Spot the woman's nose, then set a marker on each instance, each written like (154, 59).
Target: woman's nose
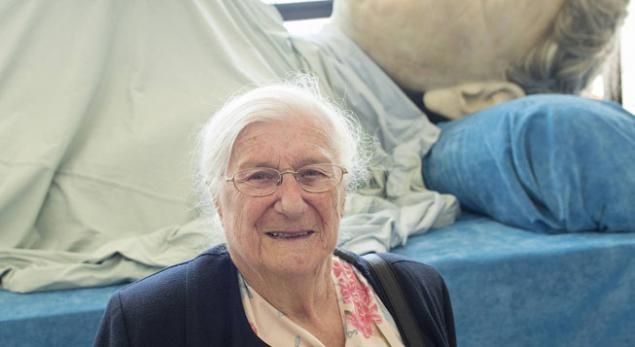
(290, 197)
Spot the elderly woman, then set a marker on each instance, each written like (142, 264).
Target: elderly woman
(276, 162)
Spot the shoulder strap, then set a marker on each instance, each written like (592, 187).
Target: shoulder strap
(404, 317)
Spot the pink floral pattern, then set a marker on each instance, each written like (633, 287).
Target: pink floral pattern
(366, 321)
(365, 312)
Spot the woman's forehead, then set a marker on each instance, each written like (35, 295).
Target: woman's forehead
(301, 139)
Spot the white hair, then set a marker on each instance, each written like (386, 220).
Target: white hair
(274, 102)
(567, 59)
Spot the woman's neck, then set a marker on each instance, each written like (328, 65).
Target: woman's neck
(309, 300)
(301, 296)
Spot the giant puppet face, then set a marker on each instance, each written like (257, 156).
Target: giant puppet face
(429, 44)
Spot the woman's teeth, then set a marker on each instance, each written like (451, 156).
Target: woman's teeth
(289, 235)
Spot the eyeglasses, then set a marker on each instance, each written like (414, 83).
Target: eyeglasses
(263, 181)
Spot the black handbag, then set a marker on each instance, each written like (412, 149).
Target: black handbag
(403, 315)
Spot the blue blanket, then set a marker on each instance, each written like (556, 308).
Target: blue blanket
(512, 287)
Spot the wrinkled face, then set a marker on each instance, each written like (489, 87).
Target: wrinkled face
(428, 44)
(291, 231)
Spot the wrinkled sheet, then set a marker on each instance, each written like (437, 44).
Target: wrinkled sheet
(100, 104)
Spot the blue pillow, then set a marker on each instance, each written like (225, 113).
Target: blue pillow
(549, 163)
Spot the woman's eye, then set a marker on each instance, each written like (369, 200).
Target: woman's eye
(260, 176)
(313, 173)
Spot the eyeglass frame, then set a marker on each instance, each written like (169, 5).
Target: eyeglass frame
(281, 178)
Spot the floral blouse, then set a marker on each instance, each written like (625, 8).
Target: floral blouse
(366, 320)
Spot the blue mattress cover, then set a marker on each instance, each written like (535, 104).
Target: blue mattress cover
(512, 287)
(508, 286)
(55, 318)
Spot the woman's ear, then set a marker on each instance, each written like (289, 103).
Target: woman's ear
(341, 204)
(218, 207)
(460, 100)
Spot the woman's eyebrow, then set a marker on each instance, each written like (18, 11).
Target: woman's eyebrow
(314, 160)
(255, 163)
(301, 163)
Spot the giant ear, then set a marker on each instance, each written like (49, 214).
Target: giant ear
(460, 100)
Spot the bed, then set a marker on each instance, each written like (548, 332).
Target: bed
(96, 187)
(509, 287)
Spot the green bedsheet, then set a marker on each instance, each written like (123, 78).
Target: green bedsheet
(100, 104)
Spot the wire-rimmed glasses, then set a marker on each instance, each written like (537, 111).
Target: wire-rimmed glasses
(263, 181)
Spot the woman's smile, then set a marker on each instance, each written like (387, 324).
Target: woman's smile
(290, 235)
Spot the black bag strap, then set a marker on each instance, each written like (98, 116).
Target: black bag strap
(394, 292)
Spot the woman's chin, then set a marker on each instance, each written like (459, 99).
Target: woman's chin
(298, 262)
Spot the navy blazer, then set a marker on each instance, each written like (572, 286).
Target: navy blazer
(198, 303)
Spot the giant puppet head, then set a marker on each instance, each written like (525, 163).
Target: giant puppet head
(468, 55)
